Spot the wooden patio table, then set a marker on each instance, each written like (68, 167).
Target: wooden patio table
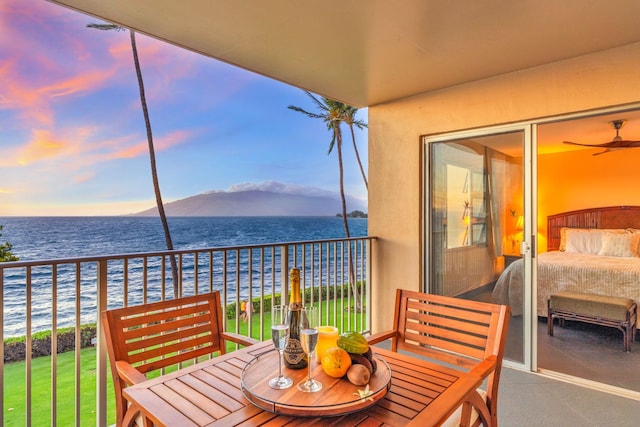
(210, 394)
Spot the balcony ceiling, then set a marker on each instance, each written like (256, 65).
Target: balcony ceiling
(369, 52)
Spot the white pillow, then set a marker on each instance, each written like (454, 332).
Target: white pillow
(563, 239)
(619, 245)
(587, 240)
(582, 241)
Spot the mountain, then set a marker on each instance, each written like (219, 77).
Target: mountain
(256, 203)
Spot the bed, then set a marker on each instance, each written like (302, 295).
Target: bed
(590, 250)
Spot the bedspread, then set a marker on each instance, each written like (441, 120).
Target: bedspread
(577, 272)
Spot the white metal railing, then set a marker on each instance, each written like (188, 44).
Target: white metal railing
(51, 294)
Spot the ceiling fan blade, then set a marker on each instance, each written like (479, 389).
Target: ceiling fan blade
(616, 143)
(621, 145)
(606, 144)
(628, 143)
(602, 152)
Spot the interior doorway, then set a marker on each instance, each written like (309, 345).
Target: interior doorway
(573, 177)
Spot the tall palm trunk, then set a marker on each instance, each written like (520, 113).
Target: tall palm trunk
(355, 148)
(345, 220)
(333, 113)
(154, 172)
(342, 195)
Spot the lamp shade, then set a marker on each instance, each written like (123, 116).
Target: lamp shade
(520, 223)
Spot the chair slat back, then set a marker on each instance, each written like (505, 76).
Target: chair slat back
(460, 332)
(455, 331)
(161, 334)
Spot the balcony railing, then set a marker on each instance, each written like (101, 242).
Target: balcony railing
(53, 294)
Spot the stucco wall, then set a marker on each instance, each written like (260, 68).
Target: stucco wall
(606, 79)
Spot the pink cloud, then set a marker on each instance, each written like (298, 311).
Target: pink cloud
(159, 144)
(33, 103)
(85, 82)
(85, 177)
(43, 145)
(162, 64)
(38, 67)
(77, 147)
(50, 60)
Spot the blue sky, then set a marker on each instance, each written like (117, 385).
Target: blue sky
(72, 136)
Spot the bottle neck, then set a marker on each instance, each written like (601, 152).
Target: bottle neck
(295, 298)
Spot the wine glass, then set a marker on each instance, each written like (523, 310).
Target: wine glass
(280, 337)
(309, 340)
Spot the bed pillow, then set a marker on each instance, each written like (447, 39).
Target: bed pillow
(563, 235)
(585, 240)
(582, 241)
(619, 245)
(635, 231)
(563, 239)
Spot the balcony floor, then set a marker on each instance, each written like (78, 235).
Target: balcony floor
(526, 399)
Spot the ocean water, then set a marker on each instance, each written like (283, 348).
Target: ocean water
(35, 238)
(45, 238)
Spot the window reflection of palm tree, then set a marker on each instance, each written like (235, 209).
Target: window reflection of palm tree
(467, 221)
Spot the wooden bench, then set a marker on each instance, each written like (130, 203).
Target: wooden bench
(616, 312)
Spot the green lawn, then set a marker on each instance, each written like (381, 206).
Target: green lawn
(15, 391)
(15, 377)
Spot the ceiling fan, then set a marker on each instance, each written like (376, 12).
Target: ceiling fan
(616, 143)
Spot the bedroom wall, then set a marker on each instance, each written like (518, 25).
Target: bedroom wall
(579, 180)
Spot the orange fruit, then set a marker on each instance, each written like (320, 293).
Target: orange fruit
(336, 362)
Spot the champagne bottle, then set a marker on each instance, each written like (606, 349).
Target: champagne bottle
(294, 356)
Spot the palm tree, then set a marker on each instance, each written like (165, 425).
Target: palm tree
(348, 116)
(331, 113)
(5, 251)
(152, 155)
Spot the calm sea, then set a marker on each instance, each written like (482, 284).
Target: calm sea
(38, 238)
(35, 238)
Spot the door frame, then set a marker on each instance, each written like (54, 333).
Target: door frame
(530, 189)
(530, 230)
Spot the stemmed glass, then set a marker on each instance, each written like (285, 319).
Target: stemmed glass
(309, 340)
(280, 337)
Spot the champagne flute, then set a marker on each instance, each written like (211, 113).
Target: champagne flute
(309, 340)
(280, 337)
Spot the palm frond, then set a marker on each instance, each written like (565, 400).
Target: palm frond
(305, 112)
(359, 124)
(106, 27)
(332, 143)
(316, 101)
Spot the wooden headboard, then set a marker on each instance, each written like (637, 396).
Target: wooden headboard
(609, 217)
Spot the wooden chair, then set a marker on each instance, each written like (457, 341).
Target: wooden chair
(468, 335)
(151, 337)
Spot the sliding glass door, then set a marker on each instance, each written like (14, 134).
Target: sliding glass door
(474, 223)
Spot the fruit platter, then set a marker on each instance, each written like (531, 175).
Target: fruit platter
(353, 378)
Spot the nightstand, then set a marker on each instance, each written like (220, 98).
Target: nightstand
(508, 259)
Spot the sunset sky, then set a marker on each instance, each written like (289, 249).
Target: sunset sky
(72, 135)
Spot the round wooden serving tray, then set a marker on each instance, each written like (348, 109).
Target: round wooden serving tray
(337, 397)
